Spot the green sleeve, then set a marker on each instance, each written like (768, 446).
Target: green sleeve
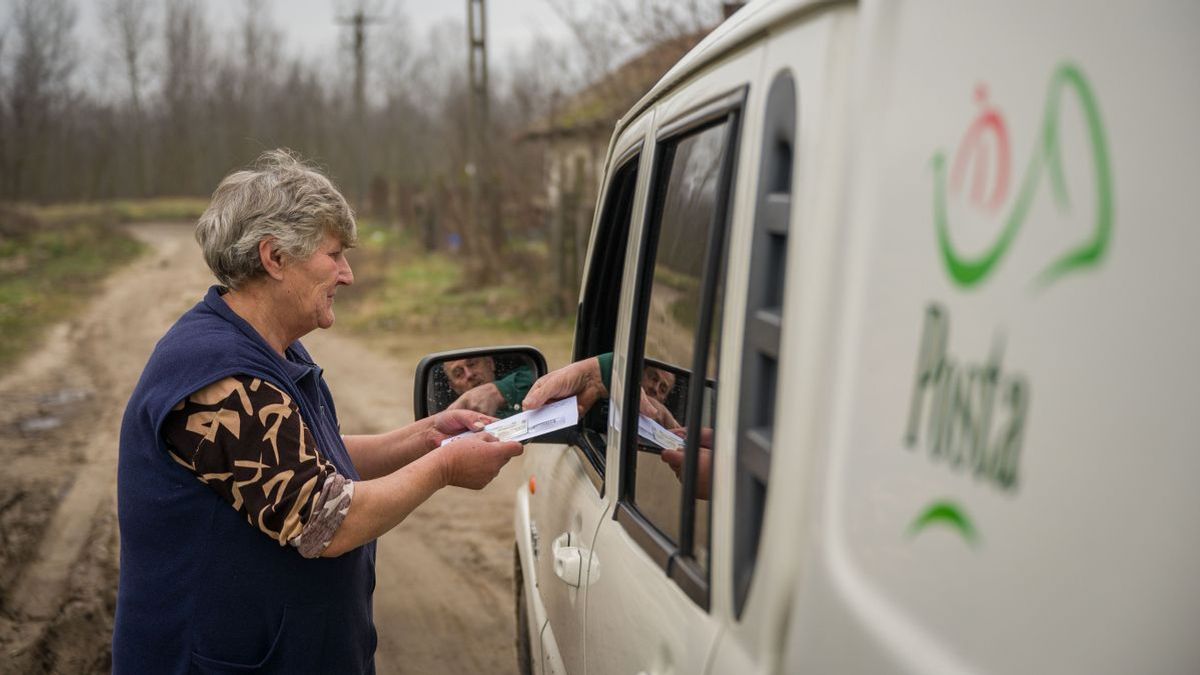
(515, 385)
(605, 360)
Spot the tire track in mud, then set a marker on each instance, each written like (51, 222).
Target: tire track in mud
(60, 588)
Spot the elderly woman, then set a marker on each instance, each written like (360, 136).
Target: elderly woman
(247, 520)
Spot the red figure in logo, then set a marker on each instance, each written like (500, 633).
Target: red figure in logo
(973, 155)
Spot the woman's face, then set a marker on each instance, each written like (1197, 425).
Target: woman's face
(312, 283)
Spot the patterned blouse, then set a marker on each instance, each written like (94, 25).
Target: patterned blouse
(245, 439)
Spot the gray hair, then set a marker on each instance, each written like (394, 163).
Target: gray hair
(281, 198)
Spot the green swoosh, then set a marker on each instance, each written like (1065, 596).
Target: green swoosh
(1091, 252)
(946, 513)
(967, 272)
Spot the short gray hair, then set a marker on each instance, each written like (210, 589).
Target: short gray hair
(281, 198)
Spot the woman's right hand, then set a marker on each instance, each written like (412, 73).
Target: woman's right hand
(472, 462)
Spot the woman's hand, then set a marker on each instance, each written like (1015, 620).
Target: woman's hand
(453, 422)
(473, 462)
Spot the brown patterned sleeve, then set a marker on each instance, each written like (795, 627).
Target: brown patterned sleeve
(245, 438)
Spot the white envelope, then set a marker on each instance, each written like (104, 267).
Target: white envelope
(526, 425)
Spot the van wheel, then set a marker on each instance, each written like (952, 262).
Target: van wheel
(524, 663)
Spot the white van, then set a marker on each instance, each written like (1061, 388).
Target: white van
(921, 278)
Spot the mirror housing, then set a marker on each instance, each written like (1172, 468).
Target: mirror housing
(516, 367)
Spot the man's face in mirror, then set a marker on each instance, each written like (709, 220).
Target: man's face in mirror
(466, 374)
(657, 383)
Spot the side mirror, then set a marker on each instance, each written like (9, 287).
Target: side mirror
(491, 380)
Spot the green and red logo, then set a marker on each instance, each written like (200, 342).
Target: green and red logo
(971, 416)
(984, 155)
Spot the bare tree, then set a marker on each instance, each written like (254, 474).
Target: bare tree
(187, 112)
(610, 32)
(184, 86)
(6, 126)
(261, 48)
(130, 26)
(37, 87)
(648, 22)
(538, 79)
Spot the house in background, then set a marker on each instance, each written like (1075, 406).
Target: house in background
(575, 138)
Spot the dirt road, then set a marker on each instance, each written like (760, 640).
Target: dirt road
(443, 602)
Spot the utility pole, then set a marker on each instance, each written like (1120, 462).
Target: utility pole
(478, 167)
(359, 22)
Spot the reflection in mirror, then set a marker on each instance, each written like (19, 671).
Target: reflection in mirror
(665, 386)
(493, 382)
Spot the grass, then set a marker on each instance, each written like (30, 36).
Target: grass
(400, 288)
(52, 259)
(123, 210)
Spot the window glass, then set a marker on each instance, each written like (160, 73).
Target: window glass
(597, 319)
(685, 218)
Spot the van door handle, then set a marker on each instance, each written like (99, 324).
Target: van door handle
(569, 561)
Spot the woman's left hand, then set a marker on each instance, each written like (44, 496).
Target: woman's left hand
(453, 422)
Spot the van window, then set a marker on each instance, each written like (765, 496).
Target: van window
(596, 322)
(666, 463)
(671, 328)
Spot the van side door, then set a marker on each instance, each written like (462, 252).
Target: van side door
(566, 500)
(648, 599)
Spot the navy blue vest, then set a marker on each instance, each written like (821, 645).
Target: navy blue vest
(201, 590)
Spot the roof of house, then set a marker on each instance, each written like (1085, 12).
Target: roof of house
(742, 28)
(595, 109)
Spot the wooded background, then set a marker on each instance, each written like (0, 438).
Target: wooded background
(166, 105)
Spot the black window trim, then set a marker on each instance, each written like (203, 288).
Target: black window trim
(682, 569)
(592, 453)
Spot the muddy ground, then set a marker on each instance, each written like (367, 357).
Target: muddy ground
(443, 603)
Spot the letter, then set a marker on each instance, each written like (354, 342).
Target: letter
(941, 413)
(1008, 450)
(959, 429)
(989, 377)
(929, 366)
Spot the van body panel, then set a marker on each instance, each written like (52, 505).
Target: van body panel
(565, 509)
(535, 609)
(1016, 336)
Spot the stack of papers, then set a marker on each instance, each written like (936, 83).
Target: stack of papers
(533, 423)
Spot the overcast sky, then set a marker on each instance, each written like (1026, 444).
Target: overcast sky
(311, 30)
